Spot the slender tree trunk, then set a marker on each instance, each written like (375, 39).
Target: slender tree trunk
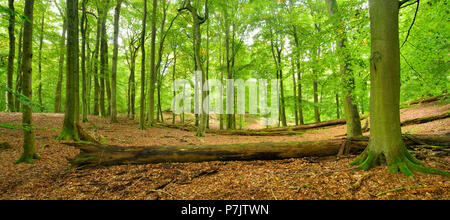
(153, 79)
(62, 52)
(299, 77)
(41, 42)
(114, 63)
(338, 113)
(83, 26)
(350, 107)
(18, 89)
(104, 76)
(230, 87)
(89, 71)
(173, 80)
(283, 107)
(294, 85)
(142, 101)
(107, 79)
(132, 86)
(315, 87)
(97, 77)
(69, 130)
(207, 72)
(11, 55)
(28, 154)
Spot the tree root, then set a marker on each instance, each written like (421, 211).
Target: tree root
(405, 163)
(27, 159)
(68, 135)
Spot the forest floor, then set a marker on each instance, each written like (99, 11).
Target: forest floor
(293, 179)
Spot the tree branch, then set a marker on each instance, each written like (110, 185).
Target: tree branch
(412, 24)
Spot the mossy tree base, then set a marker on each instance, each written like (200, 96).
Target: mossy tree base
(68, 135)
(27, 158)
(404, 162)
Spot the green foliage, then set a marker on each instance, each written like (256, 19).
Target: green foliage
(424, 56)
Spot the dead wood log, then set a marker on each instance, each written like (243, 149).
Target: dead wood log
(428, 100)
(426, 119)
(102, 155)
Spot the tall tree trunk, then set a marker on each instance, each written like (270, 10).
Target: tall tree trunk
(197, 21)
(107, 78)
(142, 101)
(69, 129)
(153, 76)
(350, 107)
(386, 143)
(18, 88)
(338, 112)
(11, 55)
(299, 76)
(104, 76)
(41, 42)
(88, 71)
(294, 85)
(315, 87)
(28, 154)
(207, 71)
(114, 63)
(283, 106)
(173, 80)
(62, 52)
(83, 26)
(132, 85)
(97, 77)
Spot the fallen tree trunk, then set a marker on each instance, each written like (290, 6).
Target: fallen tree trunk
(426, 119)
(427, 100)
(101, 155)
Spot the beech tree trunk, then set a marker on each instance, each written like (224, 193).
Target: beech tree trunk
(100, 155)
(28, 154)
(114, 63)
(153, 76)
(386, 144)
(19, 72)
(11, 55)
(41, 43)
(83, 26)
(350, 107)
(69, 131)
(62, 53)
(142, 101)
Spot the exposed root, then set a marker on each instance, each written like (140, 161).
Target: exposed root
(27, 159)
(405, 163)
(68, 135)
